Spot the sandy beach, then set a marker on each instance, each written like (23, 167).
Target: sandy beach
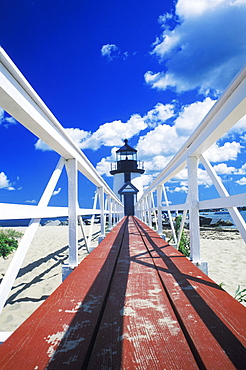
(40, 273)
(225, 252)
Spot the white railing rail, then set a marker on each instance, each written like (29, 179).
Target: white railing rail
(228, 110)
(19, 99)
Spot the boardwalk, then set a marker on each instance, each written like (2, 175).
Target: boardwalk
(133, 303)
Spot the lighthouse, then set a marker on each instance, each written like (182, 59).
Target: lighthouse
(127, 172)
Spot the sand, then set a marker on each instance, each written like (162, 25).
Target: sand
(225, 252)
(40, 273)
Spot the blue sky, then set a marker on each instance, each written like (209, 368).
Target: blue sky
(148, 71)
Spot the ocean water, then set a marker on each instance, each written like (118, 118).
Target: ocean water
(25, 222)
(216, 216)
(213, 215)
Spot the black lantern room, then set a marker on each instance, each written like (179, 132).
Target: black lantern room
(126, 162)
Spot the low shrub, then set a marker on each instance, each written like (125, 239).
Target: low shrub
(240, 295)
(184, 245)
(8, 242)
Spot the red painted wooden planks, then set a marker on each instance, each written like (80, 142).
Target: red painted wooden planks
(139, 329)
(133, 303)
(214, 321)
(63, 327)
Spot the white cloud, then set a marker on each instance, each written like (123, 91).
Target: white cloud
(238, 128)
(204, 50)
(110, 51)
(226, 152)
(10, 121)
(241, 171)
(79, 136)
(223, 169)
(55, 192)
(4, 182)
(182, 175)
(202, 177)
(162, 81)
(159, 145)
(191, 116)
(163, 140)
(1, 115)
(146, 179)
(40, 145)
(188, 8)
(104, 166)
(167, 138)
(243, 138)
(180, 189)
(108, 134)
(112, 133)
(10, 188)
(242, 181)
(159, 114)
(5, 120)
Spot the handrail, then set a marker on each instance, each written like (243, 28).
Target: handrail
(228, 110)
(19, 99)
(32, 113)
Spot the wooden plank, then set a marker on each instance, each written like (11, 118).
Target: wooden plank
(134, 302)
(59, 333)
(213, 321)
(139, 329)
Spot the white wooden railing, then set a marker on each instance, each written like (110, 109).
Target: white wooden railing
(228, 110)
(19, 99)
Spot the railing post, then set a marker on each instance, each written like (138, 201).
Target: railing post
(101, 199)
(26, 240)
(146, 210)
(154, 210)
(122, 211)
(170, 217)
(118, 212)
(235, 214)
(193, 209)
(113, 213)
(135, 210)
(159, 206)
(72, 172)
(109, 212)
(92, 221)
(142, 210)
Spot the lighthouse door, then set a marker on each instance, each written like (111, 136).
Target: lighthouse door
(128, 191)
(129, 204)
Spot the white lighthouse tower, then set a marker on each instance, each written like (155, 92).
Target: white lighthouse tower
(127, 172)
